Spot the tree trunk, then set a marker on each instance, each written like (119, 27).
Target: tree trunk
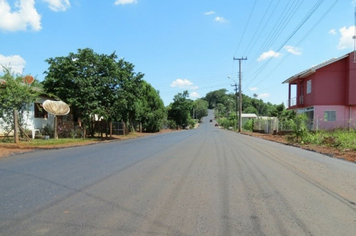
(55, 128)
(110, 129)
(16, 127)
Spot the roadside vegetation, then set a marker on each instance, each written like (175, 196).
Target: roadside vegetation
(97, 86)
(295, 126)
(341, 139)
(100, 85)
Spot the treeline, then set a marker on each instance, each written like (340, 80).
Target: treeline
(100, 85)
(225, 103)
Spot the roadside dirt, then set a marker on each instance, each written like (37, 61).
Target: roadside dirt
(349, 155)
(10, 149)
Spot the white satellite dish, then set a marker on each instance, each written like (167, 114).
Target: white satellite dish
(57, 108)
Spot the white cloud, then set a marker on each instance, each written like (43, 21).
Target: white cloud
(346, 40)
(220, 19)
(15, 62)
(194, 95)
(58, 5)
(183, 83)
(210, 13)
(264, 95)
(269, 54)
(253, 89)
(123, 2)
(293, 50)
(332, 31)
(23, 17)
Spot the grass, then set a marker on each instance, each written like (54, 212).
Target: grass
(40, 143)
(63, 142)
(342, 139)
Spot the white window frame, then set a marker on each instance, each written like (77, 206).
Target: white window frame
(309, 86)
(329, 116)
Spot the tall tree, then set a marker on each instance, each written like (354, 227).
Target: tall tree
(130, 91)
(215, 97)
(101, 85)
(180, 109)
(89, 82)
(14, 95)
(152, 110)
(200, 108)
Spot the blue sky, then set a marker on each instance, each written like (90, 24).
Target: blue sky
(183, 45)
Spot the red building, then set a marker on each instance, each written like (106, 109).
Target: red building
(326, 93)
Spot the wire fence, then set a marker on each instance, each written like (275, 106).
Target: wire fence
(273, 125)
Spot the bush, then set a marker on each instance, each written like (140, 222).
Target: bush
(300, 130)
(226, 123)
(248, 126)
(191, 123)
(287, 125)
(172, 124)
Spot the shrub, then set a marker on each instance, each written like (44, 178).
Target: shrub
(248, 126)
(300, 130)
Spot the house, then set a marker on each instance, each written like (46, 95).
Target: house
(36, 119)
(326, 93)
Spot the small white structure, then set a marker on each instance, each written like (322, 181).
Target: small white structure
(247, 116)
(36, 119)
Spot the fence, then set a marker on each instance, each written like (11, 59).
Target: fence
(273, 125)
(265, 125)
(118, 128)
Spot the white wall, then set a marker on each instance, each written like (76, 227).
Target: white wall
(32, 123)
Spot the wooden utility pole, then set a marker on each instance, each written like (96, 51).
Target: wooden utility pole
(236, 106)
(16, 127)
(240, 91)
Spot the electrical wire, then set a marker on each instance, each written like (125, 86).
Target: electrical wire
(309, 14)
(248, 21)
(302, 39)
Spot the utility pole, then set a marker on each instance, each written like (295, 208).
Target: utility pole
(235, 85)
(240, 95)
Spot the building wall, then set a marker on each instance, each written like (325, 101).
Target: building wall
(309, 97)
(32, 123)
(329, 84)
(344, 119)
(351, 86)
(40, 123)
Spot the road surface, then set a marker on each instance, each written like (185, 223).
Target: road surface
(206, 181)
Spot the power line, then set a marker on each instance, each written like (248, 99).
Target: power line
(263, 28)
(248, 21)
(309, 14)
(284, 19)
(305, 36)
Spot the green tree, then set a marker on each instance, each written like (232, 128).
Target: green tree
(200, 108)
(152, 110)
(215, 97)
(220, 110)
(95, 84)
(14, 95)
(179, 110)
(130, 92)
(77, 80)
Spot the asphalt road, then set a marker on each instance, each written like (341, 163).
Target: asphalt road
(198, 182)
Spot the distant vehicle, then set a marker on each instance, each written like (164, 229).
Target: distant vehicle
(216, 125)
(211, 120)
